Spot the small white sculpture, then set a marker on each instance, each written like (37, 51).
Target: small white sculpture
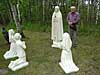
(21, 61)
(57, 26)
(11, 53)
(67, 63)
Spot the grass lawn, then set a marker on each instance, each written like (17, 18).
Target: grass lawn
(43, 60)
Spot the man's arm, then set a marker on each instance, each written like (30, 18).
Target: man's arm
(69, 22)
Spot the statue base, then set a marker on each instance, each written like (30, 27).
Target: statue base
(55, 44)
(17, 67)
(69, 69)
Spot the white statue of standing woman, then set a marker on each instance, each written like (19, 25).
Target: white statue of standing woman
(67, 63)
(21, 61)
(11, 53)
(57, 26)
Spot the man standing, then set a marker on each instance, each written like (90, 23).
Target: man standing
(73, 18)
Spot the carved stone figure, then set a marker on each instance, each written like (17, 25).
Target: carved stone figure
(21, 61)
(57, 26)
(67, 63)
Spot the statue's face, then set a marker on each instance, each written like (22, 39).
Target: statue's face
(17, 36)
(56, 9)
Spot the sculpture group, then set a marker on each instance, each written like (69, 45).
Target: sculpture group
(16, 50)
(62, 40)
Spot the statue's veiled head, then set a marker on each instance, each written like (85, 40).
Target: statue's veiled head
(17, 36)
(67, 41)
(57, 8)
(66, 35)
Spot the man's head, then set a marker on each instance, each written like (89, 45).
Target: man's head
(73, 9)
(57, 8)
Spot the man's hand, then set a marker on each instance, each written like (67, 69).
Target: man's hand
(70, 23)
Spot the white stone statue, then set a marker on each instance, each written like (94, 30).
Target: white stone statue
(21, 61)
(57, 26)
(67, 63)
(11, 53)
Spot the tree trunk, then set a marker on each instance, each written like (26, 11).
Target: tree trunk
(16, 17)
(97, 14)
(30, 10)
(14, 12)
(43, 11)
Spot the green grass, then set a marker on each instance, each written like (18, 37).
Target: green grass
(43, 60)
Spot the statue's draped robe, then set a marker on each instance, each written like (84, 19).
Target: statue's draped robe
(20, 48)
(12, 52)
(57, 26)
(21, 61)
(67, 63)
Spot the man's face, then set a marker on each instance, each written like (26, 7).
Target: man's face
(73, 9)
